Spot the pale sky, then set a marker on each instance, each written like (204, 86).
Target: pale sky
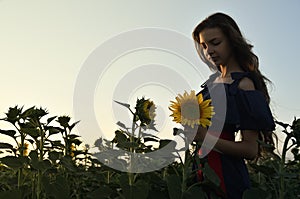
(44, 45)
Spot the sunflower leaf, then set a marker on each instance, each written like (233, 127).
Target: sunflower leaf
(120, 124)
(123, 104)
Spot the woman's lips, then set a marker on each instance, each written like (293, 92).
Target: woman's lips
(214, 58)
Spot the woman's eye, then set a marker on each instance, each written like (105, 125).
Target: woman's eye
(216, 43)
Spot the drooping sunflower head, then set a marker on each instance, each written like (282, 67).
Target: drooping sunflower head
(191, 109)
(145, 110)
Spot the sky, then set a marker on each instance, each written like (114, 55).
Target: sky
(47, 47)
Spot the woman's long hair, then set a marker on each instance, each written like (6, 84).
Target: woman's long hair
(242, 51)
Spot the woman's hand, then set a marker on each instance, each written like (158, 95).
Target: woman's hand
(195, 134)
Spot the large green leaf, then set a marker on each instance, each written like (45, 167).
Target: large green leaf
(14, 162)
(67, 162)
(174, 186)
(139, 190)
(41, 165)
(211, 175)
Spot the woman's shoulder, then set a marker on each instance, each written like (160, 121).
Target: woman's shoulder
(244, 80)
(246, 84)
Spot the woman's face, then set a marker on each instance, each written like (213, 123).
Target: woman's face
(216, 46)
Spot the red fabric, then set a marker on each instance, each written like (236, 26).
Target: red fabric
(214, 160)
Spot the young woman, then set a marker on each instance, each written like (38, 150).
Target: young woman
(222, 47)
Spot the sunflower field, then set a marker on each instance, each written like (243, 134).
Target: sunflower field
(45, 158)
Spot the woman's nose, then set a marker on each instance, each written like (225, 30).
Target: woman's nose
(210, 50)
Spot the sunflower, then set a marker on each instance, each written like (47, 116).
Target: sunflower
(25, 148)
(72, 149)
(191, 109)
(145, 110)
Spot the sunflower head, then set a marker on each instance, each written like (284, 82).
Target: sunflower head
(191, 109)
(25, 148)
(72, 149)
(145, 111)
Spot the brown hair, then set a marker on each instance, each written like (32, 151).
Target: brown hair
(242, 50)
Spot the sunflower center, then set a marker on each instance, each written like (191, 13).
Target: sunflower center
(190, 110)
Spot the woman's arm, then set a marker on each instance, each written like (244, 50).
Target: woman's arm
(246, 148)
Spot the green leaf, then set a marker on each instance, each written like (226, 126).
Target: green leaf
(150, 139)
(33, 132)
(141, 189)
(284, 125)
(211, 175)
(73, 125)
(28, 112)
(5, 146)
(33, 155)
(265, 145)
(120, 137)
(72, 136)
(174, 186)
(165, 142)
(53, 130)
(67, 162)
(123, 104)
(269, 171)
(120, 124)
(14, 162)
(76, 142)
(41, 165)
(127, 144)
(57, 144)
(10, 133)
(51, 119)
